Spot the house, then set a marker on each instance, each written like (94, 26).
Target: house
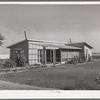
(96, 55)
(43, 52)
(4, 57)
(86, 49)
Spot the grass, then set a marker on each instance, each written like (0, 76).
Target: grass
(65, 77)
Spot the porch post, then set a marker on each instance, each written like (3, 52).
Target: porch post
(60, 56)
(44, 56)
(54, 57)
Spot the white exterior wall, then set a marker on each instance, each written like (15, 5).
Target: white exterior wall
(89, 51)
(33, 53)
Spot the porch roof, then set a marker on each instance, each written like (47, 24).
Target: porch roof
(52, 46)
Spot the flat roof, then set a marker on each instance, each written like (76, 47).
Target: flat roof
(47, 44)
(39, 41)
(83, 43)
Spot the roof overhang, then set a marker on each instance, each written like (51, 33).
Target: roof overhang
(16, 43)
(48, 45)
(82, 43)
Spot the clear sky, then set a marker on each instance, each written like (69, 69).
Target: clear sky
(81, 23)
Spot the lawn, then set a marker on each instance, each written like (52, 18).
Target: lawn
(66, 77)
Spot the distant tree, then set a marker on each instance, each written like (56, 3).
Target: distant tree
(1, 39)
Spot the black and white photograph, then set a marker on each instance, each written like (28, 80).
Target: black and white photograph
(49, 47)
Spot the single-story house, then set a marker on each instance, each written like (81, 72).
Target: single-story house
(4, 57)
(44, 52)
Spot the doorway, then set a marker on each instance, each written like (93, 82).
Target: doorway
(49, 56)
(58, 56)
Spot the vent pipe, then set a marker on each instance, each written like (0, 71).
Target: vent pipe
(70, 40)
(25, 35)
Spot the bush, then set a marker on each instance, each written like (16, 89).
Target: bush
(53, 66)
(74, 60)
(9, 64)
(1, 65)
(43, 65)
(70, 61)
(37, 65)
(21, 61)
(81, 61)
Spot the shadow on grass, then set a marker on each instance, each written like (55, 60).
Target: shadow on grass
(80, 87)
(72, 88)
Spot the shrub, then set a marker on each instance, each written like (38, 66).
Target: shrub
(43, 65)
(74, 60)
(90, 59)
(70, 61)
(6, 70)
(21, 61)
(14, 70)
(37, 65)
(53, 66)
(1, 65)
(9, 64)
(82, 59)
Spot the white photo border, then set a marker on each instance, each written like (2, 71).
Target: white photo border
(50, 94)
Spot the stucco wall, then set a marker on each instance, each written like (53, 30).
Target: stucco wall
(87, 50)
(35, 53)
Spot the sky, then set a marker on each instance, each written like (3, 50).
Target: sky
(59, 23)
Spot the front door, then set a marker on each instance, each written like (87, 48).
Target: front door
(49, 56)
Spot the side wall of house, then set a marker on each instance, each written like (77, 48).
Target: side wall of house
(23, 46)
(87, 52)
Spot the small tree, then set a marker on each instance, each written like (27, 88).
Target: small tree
(21, 59)
(1, 39)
